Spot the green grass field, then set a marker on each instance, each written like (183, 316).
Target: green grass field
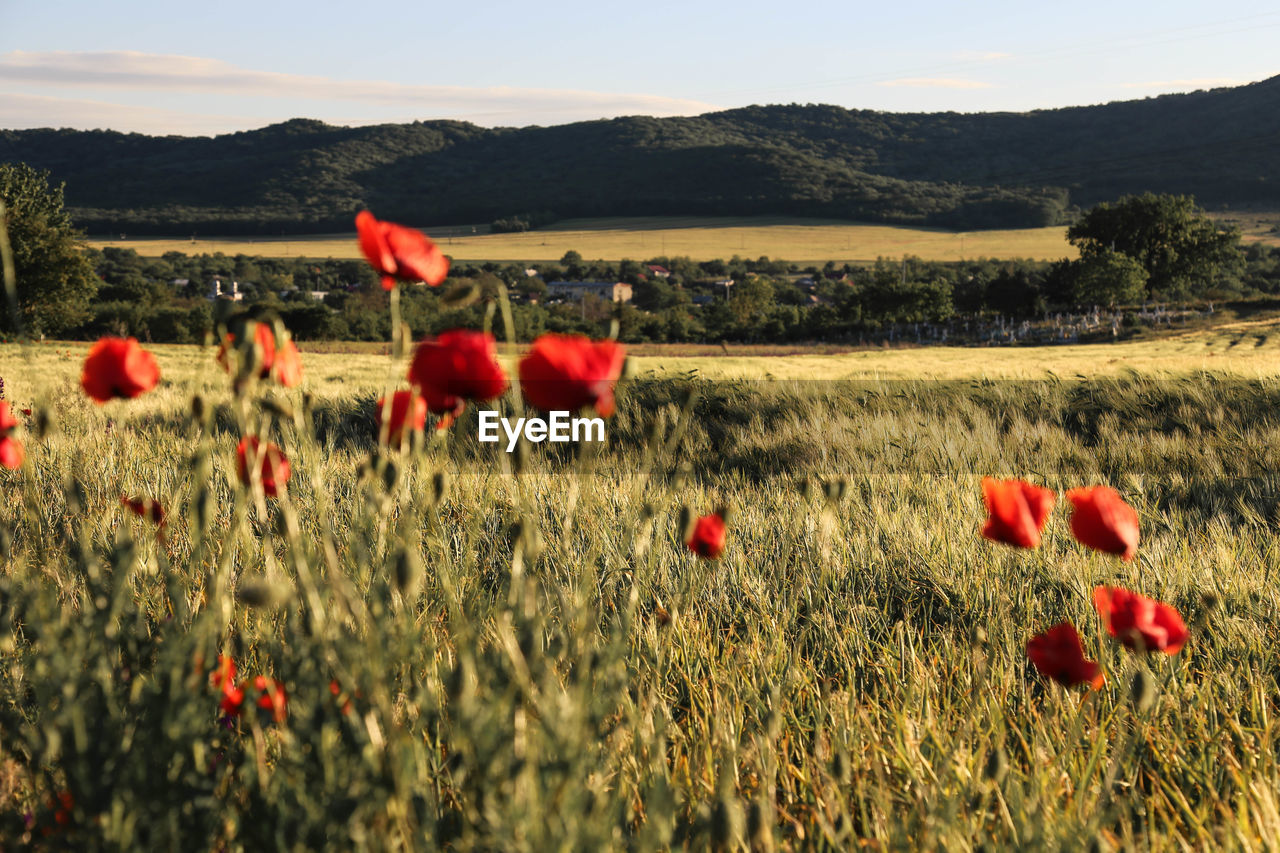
(483, 651)
(700, 238)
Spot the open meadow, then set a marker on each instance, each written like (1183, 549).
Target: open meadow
(700, 238)
(467, 649)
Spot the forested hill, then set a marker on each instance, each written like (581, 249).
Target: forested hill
(964, 170)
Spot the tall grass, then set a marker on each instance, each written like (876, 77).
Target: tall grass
(526, 657)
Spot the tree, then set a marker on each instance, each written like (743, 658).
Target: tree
(1106, 278)
(1181, 249)
(55, 280)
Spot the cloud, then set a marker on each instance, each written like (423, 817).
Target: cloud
(982, 55)
(128, 72)
(19, 111)
(936, 83)
(1192, 83)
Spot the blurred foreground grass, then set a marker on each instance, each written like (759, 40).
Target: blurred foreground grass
(533, 661)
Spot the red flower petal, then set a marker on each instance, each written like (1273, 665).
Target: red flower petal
(273, 465)
(1058, 654)
(1102, 520)
(456, 366)
(571, 372)
(272, 697)
(707, 539)
(118, 367)
(1018, 511)
(373, 243)
(268, 358)
(11, 453)
(397, 252)
(400, 419)
(8, 422)
(1138, 622)
(145, 508)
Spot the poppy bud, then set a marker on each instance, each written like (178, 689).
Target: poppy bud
(997, 765)
(461, 295)
(759, 830)
(261, 594)
(1143, 690)
(408, 570)
(686, 523)
(726, 823)
(528, 537)
(390, 474)
(204, 507)
(76, 497)
(280, 410)
(520, 458)
(835, 489)
(439, 486)
(840, 767)
(44, 422)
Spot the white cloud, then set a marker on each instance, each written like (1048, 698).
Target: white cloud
(28, 111)
(982, 55)
(130, 72)
(936, 83)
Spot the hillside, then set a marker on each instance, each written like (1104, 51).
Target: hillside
(980, 170)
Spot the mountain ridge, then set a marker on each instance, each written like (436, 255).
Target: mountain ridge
(966, 170)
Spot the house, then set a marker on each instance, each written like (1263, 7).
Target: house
(233, 294)
(180, 282)
(575, 290)
(658, 271)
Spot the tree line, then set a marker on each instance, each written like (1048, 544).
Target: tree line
(1137, 249)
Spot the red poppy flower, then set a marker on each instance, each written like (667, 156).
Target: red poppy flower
(145, 508)
(1102, 520)
(272, 697)
(1057, 653)
(1018, 511)
(402, 421)
(272, 464)
(267, 358)
(570, 372)
(707, 539)
(224, 677)
(11, 453)
(401, 253)
(288, 365)
(118, 367)
(1139, 622)
(457, 366)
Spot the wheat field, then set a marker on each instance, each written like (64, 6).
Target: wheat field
(485, 651)
(702, 238)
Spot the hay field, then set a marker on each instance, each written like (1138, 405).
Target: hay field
(805, 240)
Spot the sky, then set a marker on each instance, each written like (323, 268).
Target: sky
(217, 67)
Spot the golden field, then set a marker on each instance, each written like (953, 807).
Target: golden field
(1246, 349)
(700, 238)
